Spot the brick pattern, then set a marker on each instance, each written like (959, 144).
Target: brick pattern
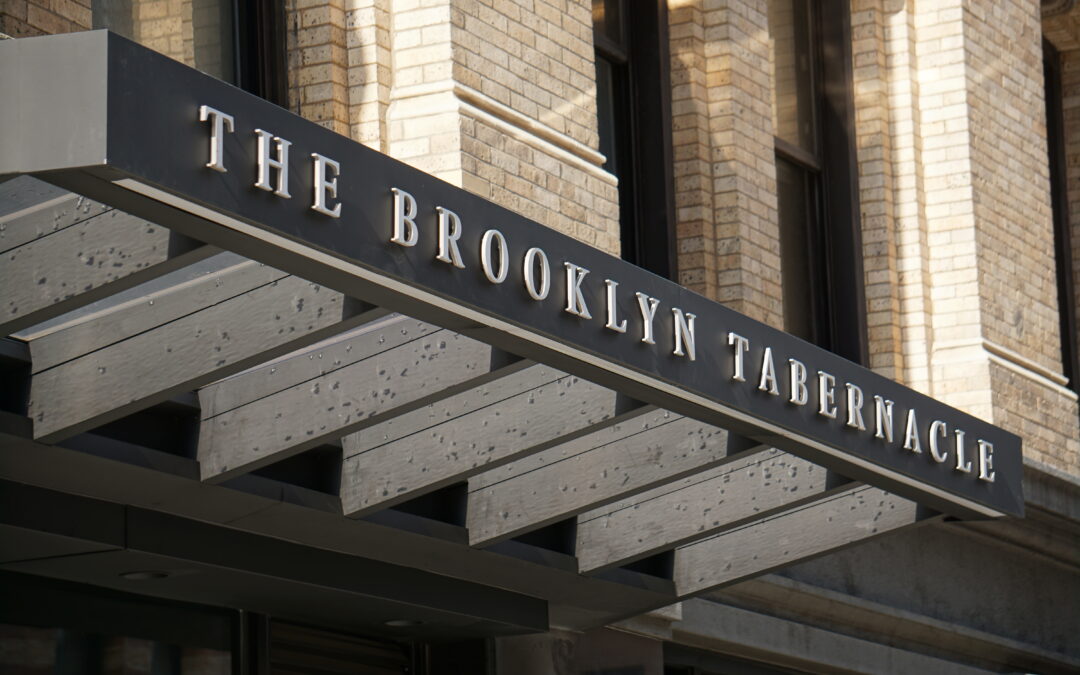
(524, 75)
(424, 123)
(728, 237)
(877, 199)
(370, 71)
(535, 57)
(1010, 177)
(1063, 29)
(27, 18)
(909, 202)
(165, 26)
(318, 62)
(739, 79)
(692, 150)
(499, 100)
(1046, 420)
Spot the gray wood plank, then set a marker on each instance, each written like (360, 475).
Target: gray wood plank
(341, 401)
(333, 353)
(599, 468)
(517, 415)
(719, 499)
(184, 354)
(40, 209)
(449, 409)
(853, 516)
(84, 334)
(64, 270)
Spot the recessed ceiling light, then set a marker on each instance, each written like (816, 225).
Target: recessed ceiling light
(144, 575)
(403, 623)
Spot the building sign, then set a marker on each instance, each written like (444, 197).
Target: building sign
(167, 143)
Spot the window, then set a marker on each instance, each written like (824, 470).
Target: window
(633, 98)
(239, 41)
(813, 113)
(1059, 200)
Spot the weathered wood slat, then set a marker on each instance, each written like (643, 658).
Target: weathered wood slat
(183, 354)
(33, 209)
(719, 499)
(333, 353)
(83, 334)
(469, 433)
(105, 253)
(586, 473)
(393, 381)
(855, 515)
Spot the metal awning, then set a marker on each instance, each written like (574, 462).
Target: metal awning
(404, 388)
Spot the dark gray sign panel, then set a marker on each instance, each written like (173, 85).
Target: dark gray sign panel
(110, 119)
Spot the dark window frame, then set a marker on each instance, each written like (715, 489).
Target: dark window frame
(640, 64)
(1059, 201)
(260, 44)
(837, 281)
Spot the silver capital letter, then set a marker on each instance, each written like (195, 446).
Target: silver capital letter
(449, 233)
(854, 407)
(962, 463)
(324, 186)
(405, 231)
(485, 256)
(826, 387)
(648, 306)
(986, 461)
(938, 429)
(613, 322)
(741, 345)
(684, 333)
(797, 378)
(533, 255)
(767, 381)
(883, 418)
(911, 433)
(218, 121)
(575, 300)
(281, 164)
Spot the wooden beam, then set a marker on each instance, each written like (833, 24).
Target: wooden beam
(99, 325)
(722, 498)
(189, 345)
(398, 374)
(31, 209)
(853, 516)
(471, 432)
(67, 251)
(596, 469)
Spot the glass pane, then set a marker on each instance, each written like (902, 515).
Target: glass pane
(196, 32)
(607, 19)
(794, 92)
(605, 112)
(795, 213)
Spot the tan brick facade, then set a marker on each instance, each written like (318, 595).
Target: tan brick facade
(728, 241)
(25, 18)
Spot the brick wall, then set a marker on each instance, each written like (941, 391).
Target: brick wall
(25, 18)
(318, 62)
(728, 236)
(877, 151)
